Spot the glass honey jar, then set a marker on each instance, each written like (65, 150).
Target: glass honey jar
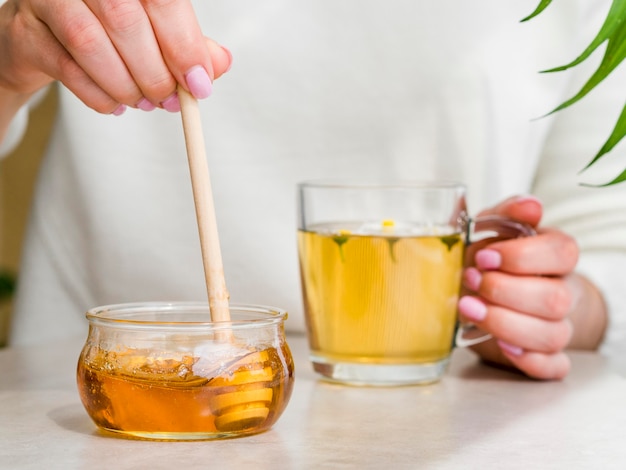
(166, 371)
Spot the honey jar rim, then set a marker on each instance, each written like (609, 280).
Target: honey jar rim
(183, 314)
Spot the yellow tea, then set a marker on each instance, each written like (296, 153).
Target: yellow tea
(137, 393)
(382, 295)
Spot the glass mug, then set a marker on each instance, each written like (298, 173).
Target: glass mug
(160, 370)
(381, 267)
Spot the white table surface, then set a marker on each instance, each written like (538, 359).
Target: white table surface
(476, 417)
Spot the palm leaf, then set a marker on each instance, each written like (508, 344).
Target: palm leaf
(542, 6)
(615, 53)
(613, 31)
(619, 179)
(618, 134)
(614, 20)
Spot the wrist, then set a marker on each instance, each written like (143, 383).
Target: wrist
(589, 314)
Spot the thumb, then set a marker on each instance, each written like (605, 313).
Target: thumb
(523, 208)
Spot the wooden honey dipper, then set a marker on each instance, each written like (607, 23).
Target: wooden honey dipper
(249, 397)
(205, 208)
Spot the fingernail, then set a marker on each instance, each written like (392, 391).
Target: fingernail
(199, 82)
(527, 198)
(121, 109)
(472, 278)
(472, 308)
(171, 103)
(509, 348)
(145, 105)
(230, 58)
(488, 259)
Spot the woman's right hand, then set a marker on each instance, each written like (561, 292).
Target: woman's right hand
(109, 53)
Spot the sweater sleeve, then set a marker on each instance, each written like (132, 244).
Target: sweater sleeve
(15, 132)
(16, 129)
(19, 124)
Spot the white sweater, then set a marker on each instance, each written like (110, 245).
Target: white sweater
(353, 88)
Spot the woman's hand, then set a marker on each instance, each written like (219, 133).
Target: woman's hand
(109, 53)
(525, 293)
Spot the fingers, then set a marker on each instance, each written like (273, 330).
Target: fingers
(523, 295)
(533, 345)
(111, 53)
(550, 253)
(549, 298)
(534, 364)
(132, 55)
(87, 43)
(221, 58)
(538, 365)
(524, 208)
(182, 44)
(33, 57)
(528, 332)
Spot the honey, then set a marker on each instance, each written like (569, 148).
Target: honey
(139, 393)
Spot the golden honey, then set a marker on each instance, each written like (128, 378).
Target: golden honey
(185, 387)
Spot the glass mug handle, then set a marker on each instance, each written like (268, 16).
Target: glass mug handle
(491, 227)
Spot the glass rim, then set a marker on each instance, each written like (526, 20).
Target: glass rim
(330, 183)
(129, 315)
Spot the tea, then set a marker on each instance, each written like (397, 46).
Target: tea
(380, 293)
(141, 394)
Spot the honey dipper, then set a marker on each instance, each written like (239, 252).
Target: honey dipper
(247, 401)
(205, 209)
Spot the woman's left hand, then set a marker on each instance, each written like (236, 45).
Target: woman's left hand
(524, 292)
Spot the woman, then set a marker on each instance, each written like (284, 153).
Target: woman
(444, 90)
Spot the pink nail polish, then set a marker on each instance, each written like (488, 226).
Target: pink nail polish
(472, 278)
(171, 103)
(509, 348)
(472, 308)
(488, 259)
(199, 82)
(121, 109)
(145, 105)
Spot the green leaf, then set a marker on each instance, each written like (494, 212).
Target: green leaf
(450, 240)
(615, 53)
(618, 134)
(619, 179)
(613, 31)
(392, 241)
(613, 22)
(340, 240)
(542, 6)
